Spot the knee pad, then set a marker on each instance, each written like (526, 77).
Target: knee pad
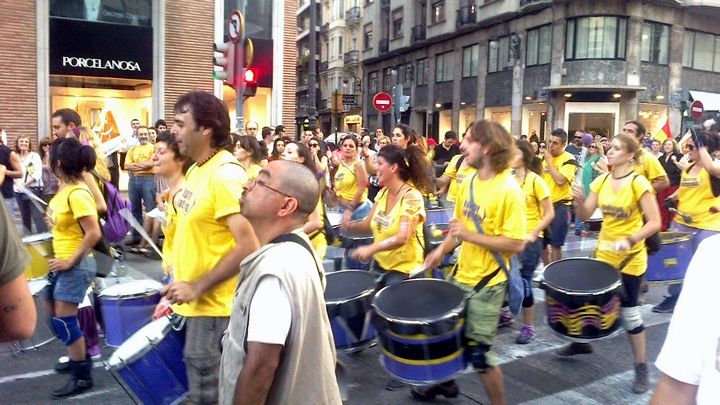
(476, 354)
(528, 301)
(632, 320)
(66, 329)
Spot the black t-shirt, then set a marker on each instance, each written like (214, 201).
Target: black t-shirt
(673, 172)
(443, 155)
(7, 186)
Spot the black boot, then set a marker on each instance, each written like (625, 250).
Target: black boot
(80, 381)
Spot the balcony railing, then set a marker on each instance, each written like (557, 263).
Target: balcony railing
(352, 15)
(384, 45)
(417, 33)
(324, 66)
(351, 57)
(466, 15)
(324, 29)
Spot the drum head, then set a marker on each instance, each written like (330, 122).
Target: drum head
(351, 235)
(581, 275)
(140, 343)
(347, 284)
(37, 285)
(131, 289)
(37, 238)
(422, 299)
(674, 237)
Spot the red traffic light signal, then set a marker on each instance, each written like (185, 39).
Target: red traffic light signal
(250, 76)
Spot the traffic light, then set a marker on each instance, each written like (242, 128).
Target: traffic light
(226, 63)
(401, 102)
(249, 79)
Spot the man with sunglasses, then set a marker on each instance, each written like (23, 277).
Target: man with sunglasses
(290, 360)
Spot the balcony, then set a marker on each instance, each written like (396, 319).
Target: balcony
(384, 45)
(352, 15)
(323, 66)
(466, 15)
(324, 30)
(417, 33)
(351, 57)
(384, 3)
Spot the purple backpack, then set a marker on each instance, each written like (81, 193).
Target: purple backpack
(115, 227)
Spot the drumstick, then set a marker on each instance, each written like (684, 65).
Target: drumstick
(125, 213)
(686, 218)
(418, 271)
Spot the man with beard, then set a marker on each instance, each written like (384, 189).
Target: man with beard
(490, 149)
(141, 187)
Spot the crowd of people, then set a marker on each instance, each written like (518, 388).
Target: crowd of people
(245, 229)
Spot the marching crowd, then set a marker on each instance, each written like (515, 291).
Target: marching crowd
(245, 229)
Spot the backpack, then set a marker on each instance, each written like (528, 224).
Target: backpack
(114, 226)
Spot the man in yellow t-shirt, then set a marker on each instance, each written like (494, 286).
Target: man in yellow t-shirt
(452, 179)
(558, 170)
(141, 187)
(648, 165)
(211, 237)
(489, 148)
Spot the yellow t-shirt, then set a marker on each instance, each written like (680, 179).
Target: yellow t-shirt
(318, 238)
(346, 183)
(141, 154)
(169, 231)
(70, 204)
(202, 237)
(253, 171)
(502, 212)
(535, 190)
(622, 217)
(695, 198)
(649, 166)
(386, 224)
(567, 166)
(457, 176)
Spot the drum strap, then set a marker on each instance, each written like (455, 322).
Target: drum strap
(293, 237)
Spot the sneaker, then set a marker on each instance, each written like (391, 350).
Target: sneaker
(667, 306)
(575, 348)
(642, 383)
(447, 389)
(527, 333)
(394, 384)
(539, 275)
(578, 231)
(94, 352)
(506, 318)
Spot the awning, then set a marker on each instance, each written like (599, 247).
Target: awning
(711, 101)
(594, 87)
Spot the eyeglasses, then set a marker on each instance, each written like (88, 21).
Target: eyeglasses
(252, 183)
(542, 145)
(314, 145)
(592, 147)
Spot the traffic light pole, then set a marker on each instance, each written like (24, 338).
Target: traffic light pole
(240, 89)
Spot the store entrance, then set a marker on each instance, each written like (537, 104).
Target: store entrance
(596, 118)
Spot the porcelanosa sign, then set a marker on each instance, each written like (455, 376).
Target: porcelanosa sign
(81, 48)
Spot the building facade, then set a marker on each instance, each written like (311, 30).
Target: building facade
(306, 112)
(535, 65)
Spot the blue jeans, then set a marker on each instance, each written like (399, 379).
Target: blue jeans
(529, 258)
(697, 236)
(28, 212)
(141, 188)
(559, 225)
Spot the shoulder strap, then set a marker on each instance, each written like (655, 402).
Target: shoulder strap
(459, 162)
(295, 238)
(70, 193)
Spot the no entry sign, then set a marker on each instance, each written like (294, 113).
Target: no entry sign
(382, 101)
(696, 109)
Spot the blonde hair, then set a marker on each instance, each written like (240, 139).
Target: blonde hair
(630, 144)
(86, 135)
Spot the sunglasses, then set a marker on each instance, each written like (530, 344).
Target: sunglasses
(542, 145)
(592, 147)
(314, 145)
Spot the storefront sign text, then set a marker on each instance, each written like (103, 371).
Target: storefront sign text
(91, 63)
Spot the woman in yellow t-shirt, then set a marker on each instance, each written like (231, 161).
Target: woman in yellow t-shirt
(315, 225)
(397, 217)
(698, 196)
(75, 230)
(171, 165)
(624, 197)
(351, 182)
(539, 213)
(250, 155)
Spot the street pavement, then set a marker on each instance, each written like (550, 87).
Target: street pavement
(534, 374)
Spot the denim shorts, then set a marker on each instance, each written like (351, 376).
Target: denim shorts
(72, 285)
(559, 225)
(529, 258)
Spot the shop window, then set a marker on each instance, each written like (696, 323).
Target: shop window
(499, 55)
(538, 43)
(367, 35)
(397, 20)
(595, 38)
(471, 56)
(138, 12)
(438, 12)
(701, 51)
(444, 67)
(655, 43)
(422, 72)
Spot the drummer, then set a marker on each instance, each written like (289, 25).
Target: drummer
(490, 149)
(75, 230)
(452, 178)
(624, 197)
(698, 194)
(351, 181)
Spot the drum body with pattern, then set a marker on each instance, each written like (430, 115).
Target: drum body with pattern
(420, 324)
(351, 241)
(669, 264)
(40, 248)
(128, 307)
(582, 299)
(348, 297)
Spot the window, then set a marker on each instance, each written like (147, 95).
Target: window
(701, 51)
(339, 7)
(367, 35)
(340, 48)
(438, 12)
(499, 55)
(397, 23)
(372, 82)
(537, 46)
(387, 79)
(422, 72)
(595, 38)
(443, 67)
(471, 59)
(405, 74)
(655, 41)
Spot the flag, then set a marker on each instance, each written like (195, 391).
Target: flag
(664, 132)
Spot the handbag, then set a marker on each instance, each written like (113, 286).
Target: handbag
(517, 288)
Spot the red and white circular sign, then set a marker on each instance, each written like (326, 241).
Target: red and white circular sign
(697, 109)
(382, 101)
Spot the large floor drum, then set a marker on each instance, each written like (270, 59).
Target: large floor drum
(421, 324)
(582, 298)
(348, 297)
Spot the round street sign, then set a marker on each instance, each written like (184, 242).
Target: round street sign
(696, 109)
(382, 101)
(236, 25)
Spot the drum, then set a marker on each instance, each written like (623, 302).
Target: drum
(669, 264)
(40, 248)
(594, 223)
(151, 365)
(436, 234)
(437, 216)
(348, 297)
(128, 307)
(43, 331)
(351, 241)
(582, 299)
(420, 323)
